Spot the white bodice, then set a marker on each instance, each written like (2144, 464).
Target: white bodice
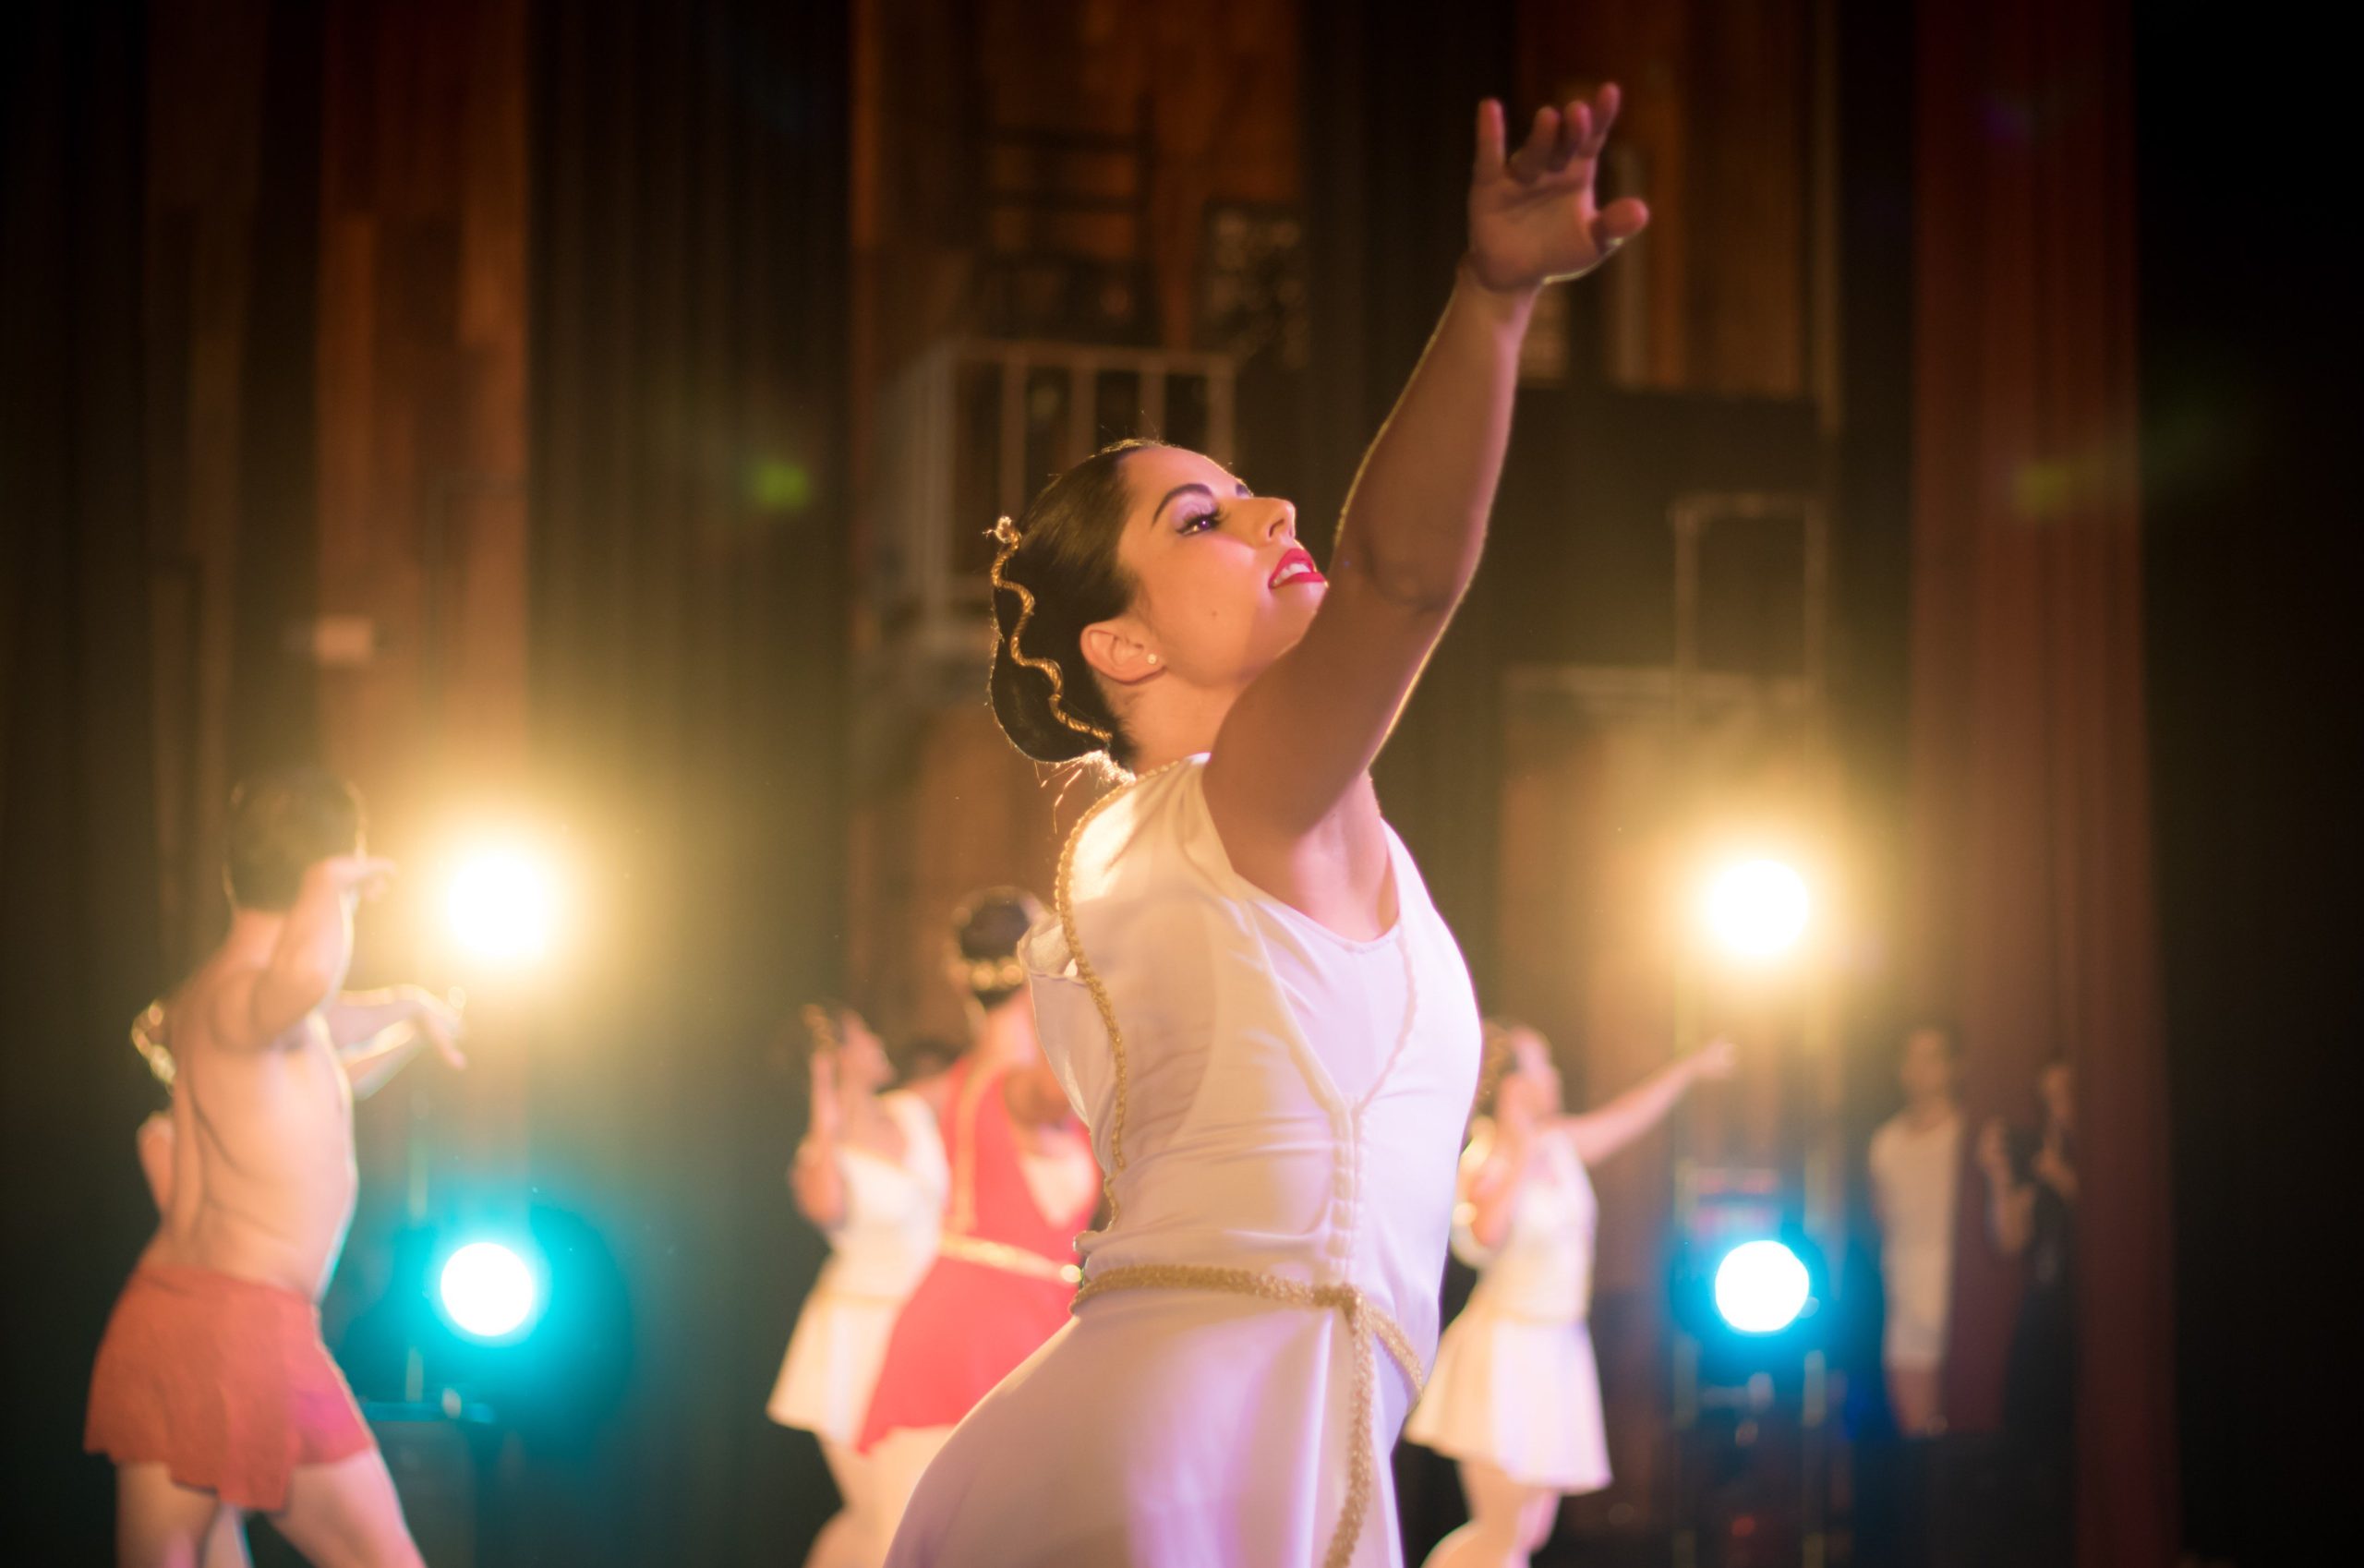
(1542, 1272)
(894, 1209)
(1915, 1174)
(1318, 1147)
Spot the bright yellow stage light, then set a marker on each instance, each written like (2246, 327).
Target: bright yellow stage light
(504, 904)
(1757, 909)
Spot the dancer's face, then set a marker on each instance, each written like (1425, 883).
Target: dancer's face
(1927, 1072)
(2057, 1089)
(1222, 587)
(861, 1059)
(1532, 1087)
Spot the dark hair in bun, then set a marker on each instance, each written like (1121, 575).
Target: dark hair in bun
(986, 931)
(1065, 557)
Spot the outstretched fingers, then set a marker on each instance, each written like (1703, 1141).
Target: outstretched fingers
(1559, 136)
(1576, 131)
(1605, 105)
(1533, 157)
(1491, 138)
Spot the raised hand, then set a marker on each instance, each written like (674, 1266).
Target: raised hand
(438, 1020)
(1994, 1153)
(1533, 216)
(2053, 1166)
(822, 1129)
(1717, 1059)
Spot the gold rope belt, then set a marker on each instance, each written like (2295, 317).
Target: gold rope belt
(1012, 1259)
(1366, 1323)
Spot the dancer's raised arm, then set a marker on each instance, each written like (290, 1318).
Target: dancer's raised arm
(1415, 523)
(256, 1007)
(1605, 1130)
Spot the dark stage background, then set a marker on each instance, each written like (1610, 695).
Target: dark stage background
(692, 573)
(2250, 344)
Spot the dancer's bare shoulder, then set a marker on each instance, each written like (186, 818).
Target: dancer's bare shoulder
(216, 1010)
(264, 1175)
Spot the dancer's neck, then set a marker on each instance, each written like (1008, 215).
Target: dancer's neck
(1004, 1037)
(1930, 1111)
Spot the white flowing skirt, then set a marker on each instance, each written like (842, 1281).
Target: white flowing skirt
(1162, 1430)
(1521, 1395)
(832, 1363)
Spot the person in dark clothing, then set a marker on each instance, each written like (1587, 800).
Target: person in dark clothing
(2031, 1187)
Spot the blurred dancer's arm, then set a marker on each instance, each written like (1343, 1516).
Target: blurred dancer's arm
(2011, 1202)
(257, 1009)
(1601, 1132)
(376, 1033)
(818, 1185)
(1491, 1184)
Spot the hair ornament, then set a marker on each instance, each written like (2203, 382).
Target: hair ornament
(149, 1038)
(1006, 534)
(988, 975)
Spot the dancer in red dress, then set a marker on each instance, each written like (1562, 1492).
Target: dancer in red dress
(1023, 1185)
(213, 1393)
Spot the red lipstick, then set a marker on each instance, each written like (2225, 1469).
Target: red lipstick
(1296, 566)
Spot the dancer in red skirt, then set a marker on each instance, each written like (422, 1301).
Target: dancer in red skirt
(1023, 1185)
(214, 1394)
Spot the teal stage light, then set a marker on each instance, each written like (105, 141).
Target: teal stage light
(1761, 1286)
(489, 1292)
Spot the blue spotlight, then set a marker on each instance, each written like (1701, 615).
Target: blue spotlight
(489, 1292)
(1761, 1286)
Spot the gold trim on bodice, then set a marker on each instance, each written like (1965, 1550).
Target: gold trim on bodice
(1366, 1323)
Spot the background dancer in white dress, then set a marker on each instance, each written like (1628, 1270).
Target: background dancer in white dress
(1916, 1162)
(1246, 992)
(871, 1174)
(1515, 1396)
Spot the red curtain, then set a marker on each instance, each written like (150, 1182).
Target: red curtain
(2034, 918)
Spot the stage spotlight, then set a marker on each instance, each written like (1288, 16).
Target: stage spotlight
(1757, 909)
(487, 1291)
(503, 905)
(1761, 1286)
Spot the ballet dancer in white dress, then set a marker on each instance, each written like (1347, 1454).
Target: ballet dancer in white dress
(871, 1174)
(1515, 1396)
(1250, 999)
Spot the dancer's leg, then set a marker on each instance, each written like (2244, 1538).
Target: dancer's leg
(852, 1537)
(158, 1522)
(1536, 1516)
(346, 1516)
(225, 1543)
(1507, 1520)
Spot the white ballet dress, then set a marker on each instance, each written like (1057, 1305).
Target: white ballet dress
(1516, 1384)
(1916, 1180)
(893, 1216)
(1258, 1309)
